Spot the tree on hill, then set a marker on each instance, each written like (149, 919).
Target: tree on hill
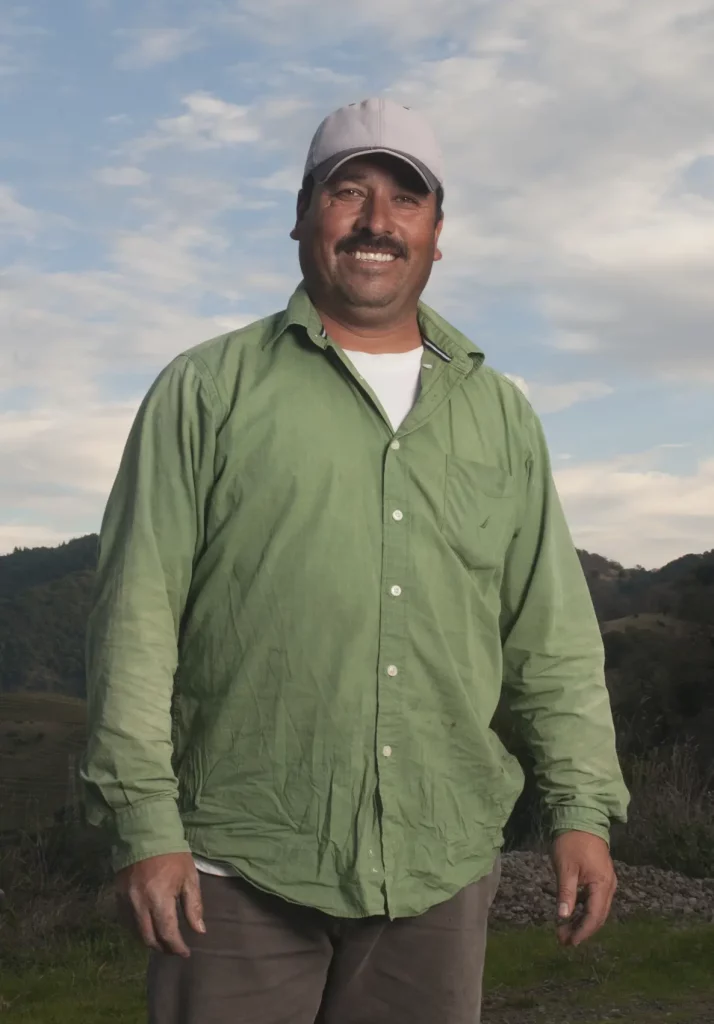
(662, 684)
(42, 631)
(32, 567)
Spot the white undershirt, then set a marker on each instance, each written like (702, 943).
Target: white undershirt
(394, 378)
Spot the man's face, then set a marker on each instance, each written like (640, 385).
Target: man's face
(368, 238)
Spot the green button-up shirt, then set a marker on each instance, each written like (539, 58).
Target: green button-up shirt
(303, 622)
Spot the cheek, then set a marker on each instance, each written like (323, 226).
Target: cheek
(333, 227)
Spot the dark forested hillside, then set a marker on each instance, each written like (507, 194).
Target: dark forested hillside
(44, 602)
(658, 629)
(31, 567)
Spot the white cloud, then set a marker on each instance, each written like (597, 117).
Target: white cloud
(286, 179)
(209, 123)
(571, 133)
(297, 23)
(15, 218)
(167, 260)
(17, 31)
(122, 177)
(68, 331)
(569, 150)
(324, 76)
(548, 398)
(629, 510)
(25, 535)
(520, 382)
(74, 449)
(57, 466)
(157, 46)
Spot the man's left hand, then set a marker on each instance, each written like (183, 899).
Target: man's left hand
(582, 860)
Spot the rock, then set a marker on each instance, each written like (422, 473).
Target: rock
(527, 894)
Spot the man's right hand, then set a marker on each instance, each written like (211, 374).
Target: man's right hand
(147, 895)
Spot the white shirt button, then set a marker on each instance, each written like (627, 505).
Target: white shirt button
(398, 515)
(387, 751)
(392, 670)
(395, 445)
(396, 590)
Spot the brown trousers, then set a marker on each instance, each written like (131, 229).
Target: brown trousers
(266, 961)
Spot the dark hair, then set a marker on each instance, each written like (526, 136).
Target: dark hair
(308, 187)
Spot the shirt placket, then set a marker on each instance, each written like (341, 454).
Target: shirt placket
(438, 379)
(393, 667)
(393, 674)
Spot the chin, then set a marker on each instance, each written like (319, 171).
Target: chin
(370, 298)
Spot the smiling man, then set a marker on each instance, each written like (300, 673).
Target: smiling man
(333, 543)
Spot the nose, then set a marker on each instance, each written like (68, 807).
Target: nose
(375, 213)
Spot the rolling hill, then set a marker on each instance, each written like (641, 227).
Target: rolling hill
(45, 595)
(41, 738)
(658, 631)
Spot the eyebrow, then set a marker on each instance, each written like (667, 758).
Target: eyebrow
(339, 177)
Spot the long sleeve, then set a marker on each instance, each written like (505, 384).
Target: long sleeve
(151, 534)
(554, 680)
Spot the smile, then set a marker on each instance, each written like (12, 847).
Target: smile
(374, 257)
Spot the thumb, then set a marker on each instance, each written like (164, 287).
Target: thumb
(567, 892)
(192, 902)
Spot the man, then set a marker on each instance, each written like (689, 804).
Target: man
(340, 527)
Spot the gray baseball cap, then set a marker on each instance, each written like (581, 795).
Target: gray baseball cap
(375, 126)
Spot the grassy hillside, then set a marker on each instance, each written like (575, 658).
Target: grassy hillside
(658, 628)
(41, 737)
(45, 595)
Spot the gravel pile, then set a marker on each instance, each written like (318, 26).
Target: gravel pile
(528, 894)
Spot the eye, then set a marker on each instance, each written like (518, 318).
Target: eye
(408, 200)
(348, 193)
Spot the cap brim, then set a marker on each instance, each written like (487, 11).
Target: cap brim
(324, 171)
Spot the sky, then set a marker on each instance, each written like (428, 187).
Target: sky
(150, 154)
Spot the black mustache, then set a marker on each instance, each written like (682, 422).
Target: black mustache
(366, 240)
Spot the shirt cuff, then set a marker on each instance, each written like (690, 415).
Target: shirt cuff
(148, 829)
(579, 819)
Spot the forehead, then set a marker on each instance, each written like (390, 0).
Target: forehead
(380, 168)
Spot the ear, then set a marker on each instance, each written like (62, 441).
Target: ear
(437, 233)
(302, 205)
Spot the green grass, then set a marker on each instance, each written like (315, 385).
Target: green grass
(85, 981)
(647, 968)
(42, 736)
(650, 970)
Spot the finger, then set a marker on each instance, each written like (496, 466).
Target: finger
(567, 891)
(144, 928)
(567, 896)
(565, 929)
(167, 929)
(193, 903)
(597, 910)
(134, 915)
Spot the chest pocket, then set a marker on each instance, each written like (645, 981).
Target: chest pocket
(479, 512)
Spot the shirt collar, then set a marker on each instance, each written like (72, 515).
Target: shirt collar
(461, 350)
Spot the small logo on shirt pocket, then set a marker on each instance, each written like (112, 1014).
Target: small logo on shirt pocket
(479, 502)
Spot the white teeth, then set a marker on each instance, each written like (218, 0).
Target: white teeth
(375, 257)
